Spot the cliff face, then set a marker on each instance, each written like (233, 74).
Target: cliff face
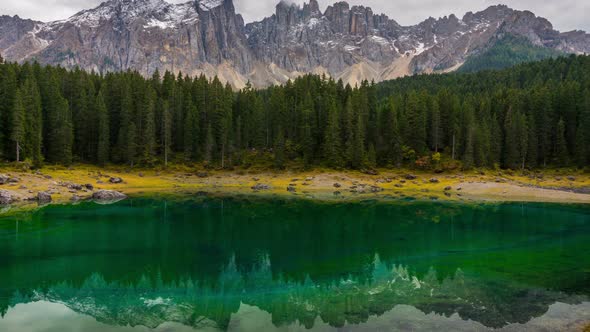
(207, 36)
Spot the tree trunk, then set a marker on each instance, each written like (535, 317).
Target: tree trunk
(222, 155)
(17, 152)
(453, 153)
(165, 155)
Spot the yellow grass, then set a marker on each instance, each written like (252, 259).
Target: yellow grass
(475, 185)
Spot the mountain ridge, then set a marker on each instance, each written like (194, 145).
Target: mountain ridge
(208, 37)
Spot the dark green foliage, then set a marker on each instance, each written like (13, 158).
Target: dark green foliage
(103, 145)
(507, 52)
(332, 144)
(533, 115)
(34, 121)
(279, 149)
(18, 123)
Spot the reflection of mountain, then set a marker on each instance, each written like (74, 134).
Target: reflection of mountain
(514, 260)
(151, 302)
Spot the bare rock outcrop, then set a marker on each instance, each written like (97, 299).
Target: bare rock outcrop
(208, 37)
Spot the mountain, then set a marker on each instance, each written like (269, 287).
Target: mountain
(507, 52)
(209, 37)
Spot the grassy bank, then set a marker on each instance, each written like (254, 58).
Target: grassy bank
(559, 186)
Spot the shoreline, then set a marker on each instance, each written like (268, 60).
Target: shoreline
(67, 185)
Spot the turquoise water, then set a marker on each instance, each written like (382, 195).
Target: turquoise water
(257, 264)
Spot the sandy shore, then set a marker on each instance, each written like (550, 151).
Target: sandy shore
(62, 184)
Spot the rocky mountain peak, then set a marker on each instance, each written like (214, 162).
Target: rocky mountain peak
(209, 37)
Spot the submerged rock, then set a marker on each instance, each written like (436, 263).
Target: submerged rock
(108, 196)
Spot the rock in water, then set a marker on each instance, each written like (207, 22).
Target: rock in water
(108, 196)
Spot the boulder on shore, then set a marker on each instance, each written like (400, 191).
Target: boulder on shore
(74, 186)
(43, 197)
(115, 180)
(4, 179)
(260, 186)
(108, 196)
(7, 197)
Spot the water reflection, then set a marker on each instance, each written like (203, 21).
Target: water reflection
(240, 264)
(152, 302)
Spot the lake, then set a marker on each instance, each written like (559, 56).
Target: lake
(246, 264)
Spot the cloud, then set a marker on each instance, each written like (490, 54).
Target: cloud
(564, 14)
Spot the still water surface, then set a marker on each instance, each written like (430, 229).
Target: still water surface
(271, 264)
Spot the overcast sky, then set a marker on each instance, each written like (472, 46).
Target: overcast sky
(564, 14)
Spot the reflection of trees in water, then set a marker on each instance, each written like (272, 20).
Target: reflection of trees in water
(150, 301)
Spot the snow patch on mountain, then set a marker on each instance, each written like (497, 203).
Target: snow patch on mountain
(206, 5)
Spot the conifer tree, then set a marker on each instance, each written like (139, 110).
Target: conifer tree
(416, 122)
(561, 151)
(103, 145)
(8, 87)
(131, 144)
(372, 157)
(358, 146)
(18, 124)
(60, 140)
(279, 149)
(332, 145)
(209, 145)
(124, 144)
(147, 137)
(34, 121)
(191, 132)
(435, 127)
